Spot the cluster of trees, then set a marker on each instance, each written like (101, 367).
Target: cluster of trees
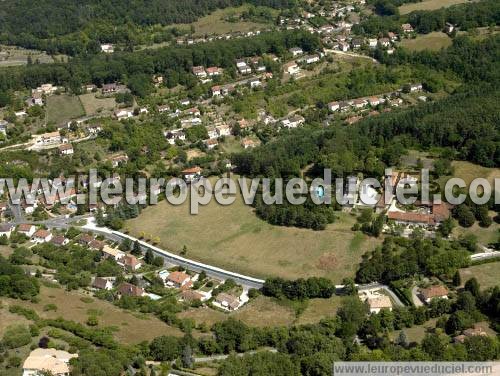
(73, 27)
(116, 217)
(468, 212)
(400, 258)
(369, 223)
(389, 7)
(466, 16)
(308, 215)
(300, 289)
(471, 127)
(74, 264)
(14, 283)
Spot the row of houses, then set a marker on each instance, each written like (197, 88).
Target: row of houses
(235, 35)
(184, 282)
(202, 72)
(377, 300)
(359, 103)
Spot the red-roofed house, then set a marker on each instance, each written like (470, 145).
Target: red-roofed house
(131, 262)
(191, 174)
(177, 279)
(26, 229)
(42, 236)
(438, 292)
(127, 289)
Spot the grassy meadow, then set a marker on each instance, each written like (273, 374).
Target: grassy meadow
(132, 328)
(216, 23)
(93, 105)
(433, 41)
(234, 238)
(486, 274)
(428, 5)
(62, 108)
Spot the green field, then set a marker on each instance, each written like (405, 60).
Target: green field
(132, 329)
(62, 108)
(93, 105)
(433, 41)
(232, 237)
(469, 171)
(486, 274)
(215, 22)
(318, 309)
(12, 56)
(428, 5)
(417, 332)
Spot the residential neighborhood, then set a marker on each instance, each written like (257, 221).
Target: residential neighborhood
(272, 187)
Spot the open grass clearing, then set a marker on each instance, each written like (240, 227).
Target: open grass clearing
(233, 237)
(5, 250)
(14, 56)
(470, 171)
(62, 108)
(428, 5)
(433, 41)
(231, 145)
(318, 309)
(486, 274)
(216, 23)
(485, 235)
(93, 105)
(261, 311)
(132, 329)
(415, 333)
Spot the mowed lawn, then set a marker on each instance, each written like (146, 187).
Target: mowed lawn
(132, 328)
(433, 41)
(62, 108)
(232, 237)
(93, 105)
(486, 274)
(428, 5)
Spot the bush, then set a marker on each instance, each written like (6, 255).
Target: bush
(16, 336)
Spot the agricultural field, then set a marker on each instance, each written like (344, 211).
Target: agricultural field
(469, 171)
(428, 5)
(486, 274)
(94, 105)
(132, 328)
(62, 108)
(232, 237)
(216, 22)
(13, 56)
(433, 41)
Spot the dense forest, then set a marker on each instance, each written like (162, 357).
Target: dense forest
(467, 123)
(75, 27)
(400, 258)
(465, 16)
(174, 62)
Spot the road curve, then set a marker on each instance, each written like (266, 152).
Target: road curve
(196, 266)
